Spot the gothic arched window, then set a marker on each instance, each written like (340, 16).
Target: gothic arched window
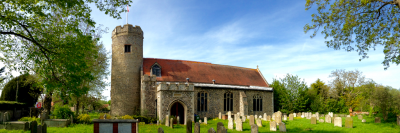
(257, 103)
(156, 70)
(202, 101)
(228, 101)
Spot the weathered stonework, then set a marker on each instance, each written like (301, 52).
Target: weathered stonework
(125, 70)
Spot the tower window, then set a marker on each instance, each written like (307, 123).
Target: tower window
(156, 70)
(127, 48)
(257, 103)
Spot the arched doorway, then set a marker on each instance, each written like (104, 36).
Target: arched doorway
(178, 110)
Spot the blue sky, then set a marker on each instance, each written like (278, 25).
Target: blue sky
(266, 33)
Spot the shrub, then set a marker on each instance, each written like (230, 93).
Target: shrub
(30, 119)
(28, 90)
(62, 112)
(127, 117)
(102, 116)
(84, 118)
(145, 119)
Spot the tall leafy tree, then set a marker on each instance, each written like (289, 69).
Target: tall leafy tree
(358, 25)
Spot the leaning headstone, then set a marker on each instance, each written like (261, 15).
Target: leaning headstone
(349, 122)
(188, 126)
(251, 120)
(313, 120)
(211, 130)
(328, 119)
(259, 122)
(230, 123)
(338, 122)
(377, 119)
(285, 117)
(291, 117)
(33, 127)
(360, 117)
(220, 115)
(254, 128)
(272, 126)
(239, 125)
(171, 121)
(160, 130)
(282, 127)
(205, 120)
(197, 127)
(167, 120)
(321, 120)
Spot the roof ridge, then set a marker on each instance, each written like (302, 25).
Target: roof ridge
(203, 63)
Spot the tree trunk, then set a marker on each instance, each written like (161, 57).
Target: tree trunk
(47, 102)
(77, 107)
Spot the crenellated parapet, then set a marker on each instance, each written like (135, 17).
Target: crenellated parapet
(127, 30)
(175, 87)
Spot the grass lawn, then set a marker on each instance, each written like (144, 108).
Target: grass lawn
(298, 125)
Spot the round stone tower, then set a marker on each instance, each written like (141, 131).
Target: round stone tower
(127, 59)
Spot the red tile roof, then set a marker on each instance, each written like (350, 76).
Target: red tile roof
(201, 72)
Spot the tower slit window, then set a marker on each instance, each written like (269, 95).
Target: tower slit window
(257, 103)
(127, 48)
(228, 101)
(202, 101)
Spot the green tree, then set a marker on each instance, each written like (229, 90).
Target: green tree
(382, 99)
(44, 37)
(358, 25)
(28, 90)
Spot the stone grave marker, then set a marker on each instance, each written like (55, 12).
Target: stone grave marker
(177, 119)
(171, 123)
(44, 128)
(291, 117)
(197, 127)
(360, 117)
(251, 120)
(220, 115)
(220, 125)
(158, 122)
(243, 118)
(189, 126)
(328, 119)
(282, 127)
(273, 117)
(254, 128)
(1, 117)
(321, 120)
(239, 125)
(222, 129)
(265, 116)
(205, 120)
(377, 119)
(272, 126)
(33, 127)
(313, 120)
(285, 117)
(268, 118)
(338, 122)
(229, 114)
(211, 130)
(160, 130)
(294, 115)
(259, 123)
(167, 120)
(278, 119)
(363, 120)
(349, 122)
(230, 123)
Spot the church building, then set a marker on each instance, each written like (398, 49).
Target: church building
(156, 87)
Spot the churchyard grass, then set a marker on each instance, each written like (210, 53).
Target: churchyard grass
(297, 125)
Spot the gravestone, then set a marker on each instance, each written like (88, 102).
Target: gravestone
(291, 117)
(338, 122)
(229, 114)
(1, 117)
(239, 125)
(5, 117)
(39, 129)
(273, 116)
(285, 117)
(321, 120)
(211, 130)
(328, 119)
(44, 128)
(313, 120)
(254, 128)
(205, 120)
(160, 130)
(349, 122)
(268, 118)
(278, 119)
(282, 127)
(243, 118)
(177, 119)
(171, 123)
(360, 117)
(230, 123)
(33, 127)
(259, 123)
(167, 120)
(188, 126)
(197, 127)
(222, 129)
(220, 125)
(220, 115)
(363, 120)
(158, 122)
(265, 116)
(251, 120)
(294, 115)
(272, 126)
(377, 119)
